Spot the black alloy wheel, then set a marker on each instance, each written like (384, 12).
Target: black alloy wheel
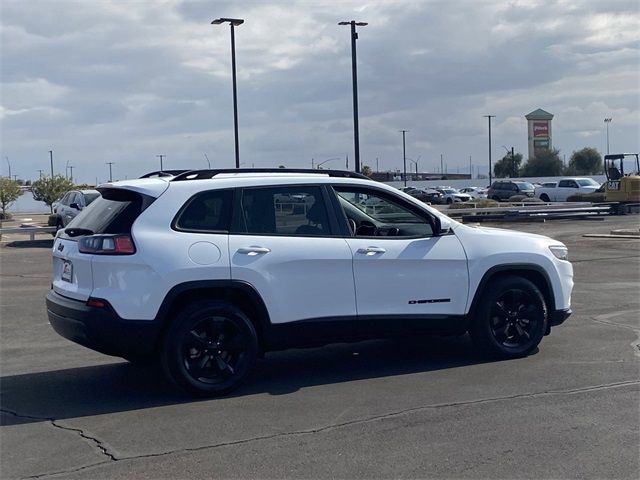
(511, 318)
(210, 348)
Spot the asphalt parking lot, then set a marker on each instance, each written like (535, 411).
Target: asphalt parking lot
(429, 408)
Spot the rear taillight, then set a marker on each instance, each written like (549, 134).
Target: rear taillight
(107, 245)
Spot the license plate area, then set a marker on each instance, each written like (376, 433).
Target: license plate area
(67, 271)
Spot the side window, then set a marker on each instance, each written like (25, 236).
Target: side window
(564, 183)
(293, 211)
(65, 199)
(371, 213)
(206, 212)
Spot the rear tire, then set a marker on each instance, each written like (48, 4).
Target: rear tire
(544, 197)
(510, 319)
(210, 348)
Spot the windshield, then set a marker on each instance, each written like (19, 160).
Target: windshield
(588, 182)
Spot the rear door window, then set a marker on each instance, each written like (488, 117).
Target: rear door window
(292, 211)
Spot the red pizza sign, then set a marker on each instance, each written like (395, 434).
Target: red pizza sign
(540, 129)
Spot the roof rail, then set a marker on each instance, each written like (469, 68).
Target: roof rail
(208, 174)
(164, 173)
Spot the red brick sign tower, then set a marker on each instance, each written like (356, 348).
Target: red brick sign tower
(539, 128)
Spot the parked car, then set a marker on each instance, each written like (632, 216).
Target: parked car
(474, 192)
(503, 190)
(451, 195)
(70, 205)
(204, 273)
(565, 188)
(429, 195)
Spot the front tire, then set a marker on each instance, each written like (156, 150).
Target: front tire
(511, 318)
(210, 348)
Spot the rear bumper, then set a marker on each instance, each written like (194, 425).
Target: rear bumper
(557, 317)
(101, 329)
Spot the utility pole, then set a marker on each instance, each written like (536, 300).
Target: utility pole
(8, 163)
(71, 175)
(161, 157)
(377, 167)
(51, 159)
(40, 171)
(404, 156)
(513, 163)
(470, 169)
(489, 117)
(110, 176)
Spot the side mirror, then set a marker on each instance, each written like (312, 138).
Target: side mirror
(443, 226)
(75, 205)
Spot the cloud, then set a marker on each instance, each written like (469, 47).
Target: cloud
(124, 81)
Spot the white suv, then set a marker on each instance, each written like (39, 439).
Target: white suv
(209, 269)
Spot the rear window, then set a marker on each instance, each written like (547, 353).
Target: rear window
(113, 212)
(525, 186)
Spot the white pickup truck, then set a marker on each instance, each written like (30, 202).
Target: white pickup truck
(566, 187)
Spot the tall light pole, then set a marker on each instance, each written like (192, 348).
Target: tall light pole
(9, 164)
(71, 174)
(40, 171)
(404, 156)
(51, 159)
(489, 117)
(607, 121)
(161, 157)
(234, 22)
(110, 176)
(354, 76)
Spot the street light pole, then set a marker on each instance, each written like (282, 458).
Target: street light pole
(234, 22)
(354, 76)
(51, 159)
(489, 117)
(9, 164)
(71, 173)
(161, 157)
(110, 176)
(319, 164)
(404, 156)
(607, 121)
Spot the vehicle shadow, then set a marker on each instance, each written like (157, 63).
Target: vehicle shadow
(30, 244)
(118, 387)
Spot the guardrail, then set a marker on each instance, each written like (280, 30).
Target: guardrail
(534, 213)
(31, 231)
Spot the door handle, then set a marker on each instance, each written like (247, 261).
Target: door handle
(253, 250)
(371, 250)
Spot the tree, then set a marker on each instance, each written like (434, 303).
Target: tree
(9, 193)
(587, 161)
(545, 164)
(367, 171)
(50, 189)
(507, 166)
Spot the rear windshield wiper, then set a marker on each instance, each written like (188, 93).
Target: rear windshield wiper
(76, 232)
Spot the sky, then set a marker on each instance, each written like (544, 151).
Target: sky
(124, 81)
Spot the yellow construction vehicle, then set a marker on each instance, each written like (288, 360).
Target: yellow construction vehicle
(621, 186)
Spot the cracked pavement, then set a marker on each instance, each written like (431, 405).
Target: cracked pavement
(427, 408)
